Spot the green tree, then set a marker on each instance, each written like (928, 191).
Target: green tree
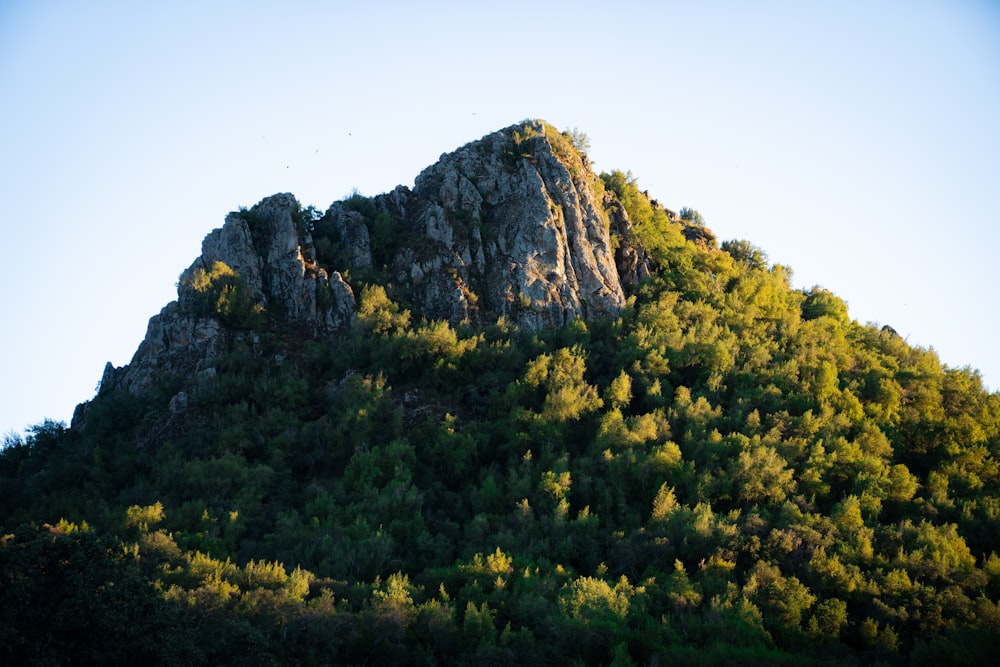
(71, 597)
(221, 292)
(691, 216)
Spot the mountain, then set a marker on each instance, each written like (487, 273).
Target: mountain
(519, 413)
(506, 226)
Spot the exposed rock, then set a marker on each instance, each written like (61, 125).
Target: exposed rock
(276, 262)
(634, 265)
(232, 244)
(517, 228)
(276, 259)
(889, 331)
(175, 345)
(699, 234)
(352, 235)
(343, 306)
(507, 226)
(178, 403)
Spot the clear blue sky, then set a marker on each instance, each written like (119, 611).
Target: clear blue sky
(857, 142)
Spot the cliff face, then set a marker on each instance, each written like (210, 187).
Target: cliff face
(275, 261)
(517, 226)
(509, 226)
(514, 225)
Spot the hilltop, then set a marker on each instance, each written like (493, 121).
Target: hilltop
(519, 413)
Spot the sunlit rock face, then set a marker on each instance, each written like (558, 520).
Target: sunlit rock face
(175, 344)
(507, 226)
(513, 229)
(274, 255)
(275, 260)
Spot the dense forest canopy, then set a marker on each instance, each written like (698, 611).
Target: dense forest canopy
(731, 471)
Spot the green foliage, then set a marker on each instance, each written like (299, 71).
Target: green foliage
(141, 519)
(823, 303)
(73, 597)
(571, 146)
(559, 377)
(581, 142)
(655, 231)
(220, 292)
(746, 253)
(519, 145)
(692, 216)
(731, 472)
(377, 314)
(385, 237)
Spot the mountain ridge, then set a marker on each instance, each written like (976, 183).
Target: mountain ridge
(546, 259)
(427, 427)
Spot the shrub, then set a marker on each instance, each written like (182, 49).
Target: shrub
(220, 292)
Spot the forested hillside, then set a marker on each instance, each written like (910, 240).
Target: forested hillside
(722, 470)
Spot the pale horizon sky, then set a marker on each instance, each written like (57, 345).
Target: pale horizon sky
(856, 142)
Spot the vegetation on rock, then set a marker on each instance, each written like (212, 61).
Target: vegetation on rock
(728, 471)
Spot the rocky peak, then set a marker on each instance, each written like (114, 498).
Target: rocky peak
(514, 225)
(509, 225)
(262, 260)
(271, 248)
(520, 226)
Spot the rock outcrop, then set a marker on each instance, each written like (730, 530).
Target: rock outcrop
(271, 249)
(509, 226)
(515, 225)
(518, 226)
(273, 255)
(175, 344)
(633, 264)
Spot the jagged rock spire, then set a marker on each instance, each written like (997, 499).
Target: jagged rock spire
(511, 225)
